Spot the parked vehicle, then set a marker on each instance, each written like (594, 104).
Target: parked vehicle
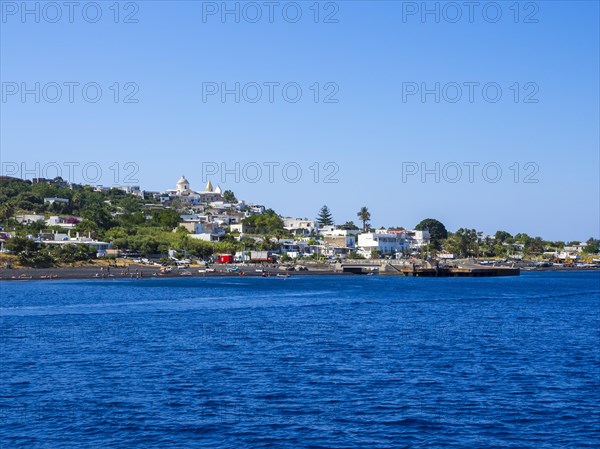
(225, 258)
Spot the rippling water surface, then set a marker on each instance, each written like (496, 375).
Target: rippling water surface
(354, 362)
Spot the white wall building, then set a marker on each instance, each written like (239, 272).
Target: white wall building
(382, 241)
(63, 221)
(65, 239)
(185, 193)
(53, 200)
(238, 227)
(339, 238)
(417, 239)
(299, 226)
(29, 218)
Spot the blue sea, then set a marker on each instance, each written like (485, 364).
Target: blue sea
(304, 362)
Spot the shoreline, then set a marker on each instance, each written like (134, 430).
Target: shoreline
(150, 272)
(143, 272)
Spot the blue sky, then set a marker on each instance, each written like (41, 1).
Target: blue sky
(369, 57)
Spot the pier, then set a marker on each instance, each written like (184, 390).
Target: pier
(457, 272)
(390, 269)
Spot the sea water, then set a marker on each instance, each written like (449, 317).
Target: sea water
(309, 361)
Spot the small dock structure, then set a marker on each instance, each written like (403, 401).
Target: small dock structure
(390, 269)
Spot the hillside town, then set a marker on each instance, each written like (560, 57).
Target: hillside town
(212, 225)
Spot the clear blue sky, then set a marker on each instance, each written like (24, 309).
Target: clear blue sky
(369, 53)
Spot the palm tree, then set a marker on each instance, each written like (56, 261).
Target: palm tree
(365, 216)
(6, 211)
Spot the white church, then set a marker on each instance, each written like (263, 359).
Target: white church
(183, 191)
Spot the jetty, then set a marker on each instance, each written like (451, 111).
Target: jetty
(458, 272)
(429, 270)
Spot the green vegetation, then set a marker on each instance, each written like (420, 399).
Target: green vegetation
(266, 223)
(33, 254)
(593, 246)
(229, 196)
(325, 218)
(437, 230)
(21, 196)
(349, 226)
(463, 242)
(145, 226)
(365, 216)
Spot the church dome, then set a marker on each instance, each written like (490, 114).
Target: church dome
(183, 185)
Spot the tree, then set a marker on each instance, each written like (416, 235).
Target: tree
(166, 218)
(365, 216)
(349, 226)
(87, 227)
(437, 230)
(266, 223)
(464, 242)
(501, 237)
(131, 220)
(98, 215)
(534, 246)
(21, 244)
(522, 238)
(229, 196)
(592, 246)
(30, 253)
(325, 218)
(6, 211)
(355, 255)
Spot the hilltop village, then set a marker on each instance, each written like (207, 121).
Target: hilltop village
(49, 222)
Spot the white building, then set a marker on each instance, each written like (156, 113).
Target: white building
(327, 229)
(208, 236)
(294, 248)
(238, 227)
(59, 239)
(66, 222)
(29, 218)
(255, 209)
(417, 239)
(185, 193)
(382, 241)
(339, 238)
(53, 200)
(299, 226)
(132, 190)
